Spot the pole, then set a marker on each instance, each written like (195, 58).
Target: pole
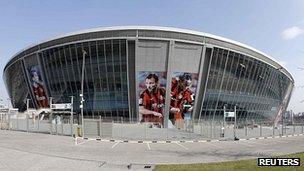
(27, 118)
(81, 95)
(18, 121)
(224, 123)
(51, 116)
(234, 130)
(72, 119)
(283, 123)
(99, 129)
(273, 127)
(9, 119)
(38, 124)
(224, 114)
(261, 129)
(246, 128)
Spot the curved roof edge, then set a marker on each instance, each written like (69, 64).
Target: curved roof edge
(159, 28)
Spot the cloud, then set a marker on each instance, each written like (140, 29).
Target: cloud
(292, 32)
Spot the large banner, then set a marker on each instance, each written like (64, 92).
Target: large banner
(183, 89)
(38, 86)
(151, 96)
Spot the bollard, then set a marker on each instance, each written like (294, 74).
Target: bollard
(294, 129)
(273, 130)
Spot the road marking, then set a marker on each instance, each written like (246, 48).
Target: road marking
(182, 146)
(115, 144)
(184, 141)
(148, 146)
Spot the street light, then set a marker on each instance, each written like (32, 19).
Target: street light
(224, 123)
(81, 94)
(235, 124)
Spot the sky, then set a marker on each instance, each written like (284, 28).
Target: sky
(275, 27)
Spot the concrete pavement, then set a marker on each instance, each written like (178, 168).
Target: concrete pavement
(33, 151)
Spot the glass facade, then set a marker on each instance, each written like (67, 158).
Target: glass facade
(230, 78)
(105, 80)
(236, 80)
(16, 86)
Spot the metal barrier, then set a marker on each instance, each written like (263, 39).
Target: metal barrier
(121, 129)
(58, 125)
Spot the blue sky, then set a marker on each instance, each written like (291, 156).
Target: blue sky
(275, 27)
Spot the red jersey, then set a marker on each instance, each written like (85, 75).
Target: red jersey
(154, 101)
(40, 96)
(176, 98)
(180, 96)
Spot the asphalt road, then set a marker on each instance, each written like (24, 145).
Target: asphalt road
(32, 151)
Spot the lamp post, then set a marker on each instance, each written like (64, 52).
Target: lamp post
(224, 123)
(235, 125)
(81, 94)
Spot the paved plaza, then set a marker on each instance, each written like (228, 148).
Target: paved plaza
(33, 151)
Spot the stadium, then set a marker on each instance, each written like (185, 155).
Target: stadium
(150, 74)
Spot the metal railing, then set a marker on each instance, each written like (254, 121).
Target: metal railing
(122, 129)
